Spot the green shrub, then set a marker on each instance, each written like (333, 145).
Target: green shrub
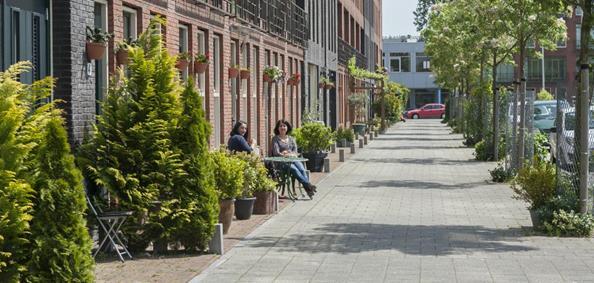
(345, 133)
(541, 150)
(42, 232)
(257, 180)
(480, 151)
(228, 174)
(501, 175)
(313, 137)
(535, 184)
(61, 245)
(544, 95)
(570, 224)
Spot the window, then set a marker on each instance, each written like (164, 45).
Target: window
(217, 64)
(101, 72)
(423, 64)
(399, 62)
(201, 78)
(578, 38)
(578, 11)
(562, 43)
(183, 46)
(555, 68)
(130, 23)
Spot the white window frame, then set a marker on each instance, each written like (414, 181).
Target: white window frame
(134, 24)
(201, 49)
(183, 45)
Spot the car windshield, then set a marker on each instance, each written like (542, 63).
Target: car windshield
(570, 121)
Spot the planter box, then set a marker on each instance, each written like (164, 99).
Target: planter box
(122, 57)
(182, 64)
(266, 78)
(359, 129)
(244, 74)
(233, 73)
(95, 51)
(264, 203)
(200, 68)
(315, 162)
(244, 207)
(226, 213)
(343, 143)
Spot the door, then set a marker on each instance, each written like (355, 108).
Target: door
(25, 36)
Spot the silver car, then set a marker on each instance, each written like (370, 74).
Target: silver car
(563, 150)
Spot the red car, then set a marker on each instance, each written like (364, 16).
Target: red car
(431, 110)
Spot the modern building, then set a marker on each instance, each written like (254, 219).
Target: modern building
(359, 35)
(408, 65)
(250, 33)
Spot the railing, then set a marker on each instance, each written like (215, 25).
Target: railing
(345, 52)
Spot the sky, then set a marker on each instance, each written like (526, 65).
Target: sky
(398, 18)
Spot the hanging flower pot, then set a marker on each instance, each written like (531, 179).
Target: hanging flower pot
(122, 56)
(200, 68)
(267, 78)
(233, 72)
(95, 50)
(328, 86)
(244, 74)
(182, 64)
(321, 85)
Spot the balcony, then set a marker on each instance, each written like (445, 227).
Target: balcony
(345, 52)
(284, 19)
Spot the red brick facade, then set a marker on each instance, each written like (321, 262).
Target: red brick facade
(285, 100)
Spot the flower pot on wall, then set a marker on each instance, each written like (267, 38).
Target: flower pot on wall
(226, 213)
(95, 50)
(182, 64)
(328, 86)
(244, 74)
(244, 207)
(233, 73)
(122, 57)
(266, 78)
(200, 68)
(264, 203)
(359, 128)
(321, 85)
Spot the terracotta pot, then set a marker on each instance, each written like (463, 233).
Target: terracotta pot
(266, 78)
(233, 73)
(200, 68)
(321, 85)
(95, 50)
(182, 64)
(122, 57)
(244, 74)
(328, 86)
(226, 213)
(264, 203)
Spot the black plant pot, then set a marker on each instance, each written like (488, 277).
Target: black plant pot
(244, 207)
(315, 162)
(343, 143)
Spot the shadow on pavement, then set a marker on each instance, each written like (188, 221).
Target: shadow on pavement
(408, 147)
(347, 238)
(417, 161)
(414, 184)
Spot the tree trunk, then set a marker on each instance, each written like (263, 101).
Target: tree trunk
(495, 142)
(522, 126)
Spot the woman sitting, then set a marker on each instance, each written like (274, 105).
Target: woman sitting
(285, 146)
(238, 140)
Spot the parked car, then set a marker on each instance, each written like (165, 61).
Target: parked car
(545, 114)
(563, 150)
(431, 110)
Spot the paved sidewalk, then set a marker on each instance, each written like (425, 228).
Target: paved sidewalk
(412, 206)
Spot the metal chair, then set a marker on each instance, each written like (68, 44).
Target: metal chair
(111, 222)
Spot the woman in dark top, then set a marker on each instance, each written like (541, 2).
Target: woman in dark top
(238, 140)
(284, 145)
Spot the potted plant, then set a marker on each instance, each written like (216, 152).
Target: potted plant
(264, 191)
(122, 49)
(295, 79)
(244, 73)
(536, 185)
(273, 74)
(234, 71)
(96, 43)
(183, 60)
(201, 63)
(344, 137)
(325, 83)
(244, 205)
(314, 140)
(229, 179)
(357, 101)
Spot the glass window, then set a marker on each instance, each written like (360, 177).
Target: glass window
(201, 45)
(578, 38)
(130, 24)
(400, 62)
(183, 46)
(423, 64)
(217, 64)
(395, 65)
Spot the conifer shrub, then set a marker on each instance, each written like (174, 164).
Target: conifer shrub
(42, 230)
(150, 151)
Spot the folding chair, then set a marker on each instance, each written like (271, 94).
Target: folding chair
(110, 223)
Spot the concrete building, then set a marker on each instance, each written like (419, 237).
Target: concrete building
(408, 65)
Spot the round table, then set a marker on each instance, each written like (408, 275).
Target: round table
(283, 167)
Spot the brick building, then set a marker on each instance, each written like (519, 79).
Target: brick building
(250, 33)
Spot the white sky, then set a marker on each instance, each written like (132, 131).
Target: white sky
(398, 18)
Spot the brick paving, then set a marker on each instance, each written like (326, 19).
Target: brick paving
(183, 267)
(411, 207)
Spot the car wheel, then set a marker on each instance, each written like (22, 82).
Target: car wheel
(442, 115)
(415, 116)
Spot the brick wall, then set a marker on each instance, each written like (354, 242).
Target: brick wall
(74, 87)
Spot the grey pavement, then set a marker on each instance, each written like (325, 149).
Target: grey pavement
(413, 206)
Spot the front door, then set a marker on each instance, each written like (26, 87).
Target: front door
(25, 36)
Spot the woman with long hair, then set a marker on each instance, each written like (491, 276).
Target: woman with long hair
(284, 145)
(238, 138)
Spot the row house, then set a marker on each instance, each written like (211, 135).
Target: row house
(249, 33)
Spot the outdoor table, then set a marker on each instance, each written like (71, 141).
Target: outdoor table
(283, 166)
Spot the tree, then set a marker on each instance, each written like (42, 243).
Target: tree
(422, 12)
